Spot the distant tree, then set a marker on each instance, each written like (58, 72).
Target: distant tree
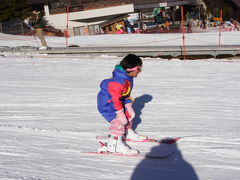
(14, 9)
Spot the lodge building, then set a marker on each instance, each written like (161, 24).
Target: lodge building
(88, 17)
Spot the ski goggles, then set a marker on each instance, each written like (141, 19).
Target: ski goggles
(136, 69)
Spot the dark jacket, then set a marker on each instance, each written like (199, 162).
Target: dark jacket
(37, 21)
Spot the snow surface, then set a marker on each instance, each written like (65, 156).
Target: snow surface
(174, 39)
(48, 114)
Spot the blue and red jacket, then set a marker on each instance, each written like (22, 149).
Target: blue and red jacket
(114, 93)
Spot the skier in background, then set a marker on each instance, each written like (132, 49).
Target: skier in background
(189, 26)
(119, 28)
(115, 105)
(235, 24)
(35, 22)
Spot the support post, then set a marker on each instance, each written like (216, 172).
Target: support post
(183, 35)
(66, 32)
(1, 29)
(220, 28)
(22, 28)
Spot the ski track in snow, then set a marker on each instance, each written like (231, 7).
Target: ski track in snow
(48, 116)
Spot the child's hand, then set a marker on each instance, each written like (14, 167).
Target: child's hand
(130, 111)
(121, 117)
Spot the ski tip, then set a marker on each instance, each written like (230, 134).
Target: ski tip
(170, 140)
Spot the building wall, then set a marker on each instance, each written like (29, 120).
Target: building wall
(96, 8)
(59, 21)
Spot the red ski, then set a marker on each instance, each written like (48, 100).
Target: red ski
(160, 141)
(140, 155)
(162, 155)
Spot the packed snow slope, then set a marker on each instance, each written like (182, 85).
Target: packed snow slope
(48, 117)
(167, 39)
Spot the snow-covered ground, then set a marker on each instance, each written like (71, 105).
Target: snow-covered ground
(48, 115)
(174, 39)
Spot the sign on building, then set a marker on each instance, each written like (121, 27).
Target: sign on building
(164, 4)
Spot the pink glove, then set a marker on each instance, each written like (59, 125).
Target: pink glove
(130, 110)
(121, 117)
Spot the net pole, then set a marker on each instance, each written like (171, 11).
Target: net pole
(183, 35)
(220, 28)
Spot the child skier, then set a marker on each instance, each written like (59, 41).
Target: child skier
(115, 105)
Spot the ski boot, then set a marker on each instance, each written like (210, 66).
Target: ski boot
(133, 136)
(117, 145)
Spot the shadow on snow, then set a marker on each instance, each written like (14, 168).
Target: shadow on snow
(171, 168)
(138, 105)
